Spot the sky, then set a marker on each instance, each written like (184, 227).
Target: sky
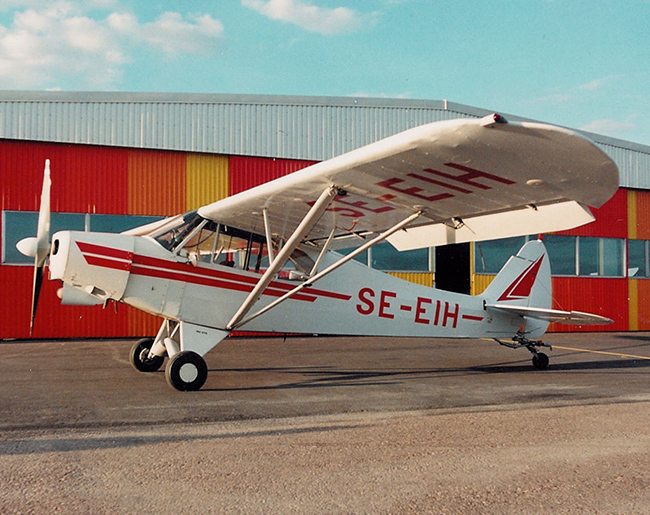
(580, 64)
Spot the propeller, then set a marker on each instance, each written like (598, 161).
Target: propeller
(39, 247)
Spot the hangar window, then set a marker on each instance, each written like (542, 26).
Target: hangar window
(385, 257)
(637, 258)
(490, 256)
(586, 256)
(568, 255)
(17, 225)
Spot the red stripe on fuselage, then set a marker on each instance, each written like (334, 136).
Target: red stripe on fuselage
(472, 317)
(108, 257)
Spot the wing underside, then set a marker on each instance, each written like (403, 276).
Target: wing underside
(471, 179)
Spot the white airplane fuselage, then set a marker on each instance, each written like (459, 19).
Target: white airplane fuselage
(353, 300)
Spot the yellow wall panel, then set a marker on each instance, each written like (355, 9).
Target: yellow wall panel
(156, 182)
(631, 215)
(423, 278)
(207, 179)
(480, 282)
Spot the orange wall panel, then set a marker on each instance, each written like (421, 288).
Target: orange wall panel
(156, 182)
(641, 204)
(640, 304)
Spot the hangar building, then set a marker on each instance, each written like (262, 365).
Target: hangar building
(122, 159)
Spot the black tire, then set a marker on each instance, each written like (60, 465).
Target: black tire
(186, 371)
(540, 361)
(139, 356)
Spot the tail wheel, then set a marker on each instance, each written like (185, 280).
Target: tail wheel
(540, 361)
(186, 371)
(140, 359)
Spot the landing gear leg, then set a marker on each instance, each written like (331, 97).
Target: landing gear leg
(186, 345)
(540, 359)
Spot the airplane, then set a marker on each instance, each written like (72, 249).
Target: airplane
(267, 259)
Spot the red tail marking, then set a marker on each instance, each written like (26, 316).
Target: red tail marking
(522, 285)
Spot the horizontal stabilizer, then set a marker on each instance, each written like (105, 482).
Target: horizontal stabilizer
(553, 315)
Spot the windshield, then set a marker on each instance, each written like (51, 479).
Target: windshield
(202, 240)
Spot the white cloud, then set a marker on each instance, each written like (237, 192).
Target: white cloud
(309, 17)
(174, 35)
(56, 40)
(610, 127)
(365, 94)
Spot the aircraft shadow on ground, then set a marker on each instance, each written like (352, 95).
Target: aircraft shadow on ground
(330, 377)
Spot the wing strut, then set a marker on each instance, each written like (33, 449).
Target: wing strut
(298, 235)
(327, 270)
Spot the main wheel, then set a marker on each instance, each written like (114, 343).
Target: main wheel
(540, 361)
(186, 371)
(140, 356)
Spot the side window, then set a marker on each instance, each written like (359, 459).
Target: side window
(385, 257)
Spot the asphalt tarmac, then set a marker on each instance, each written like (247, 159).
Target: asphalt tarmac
(48, 384)
(61, 400)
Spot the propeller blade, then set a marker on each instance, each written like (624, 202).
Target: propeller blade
(42, 241)
(43, 231)
(36, 292)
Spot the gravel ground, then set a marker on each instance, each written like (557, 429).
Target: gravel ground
(507, 459)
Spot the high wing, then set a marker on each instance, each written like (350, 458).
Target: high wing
(553, 315)
(466, 177)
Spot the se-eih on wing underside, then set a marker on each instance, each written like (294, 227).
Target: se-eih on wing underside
(472, 179)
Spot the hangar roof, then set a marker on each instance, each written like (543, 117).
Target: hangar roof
(292, 127)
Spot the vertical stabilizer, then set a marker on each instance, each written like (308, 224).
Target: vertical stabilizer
(525, 280)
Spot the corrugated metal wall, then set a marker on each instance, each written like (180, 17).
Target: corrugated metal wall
(639, 289)
(92, 179)
(290, 127)
(422, 278)
(247, 172)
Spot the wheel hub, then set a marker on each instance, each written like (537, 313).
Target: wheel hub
(188, 372)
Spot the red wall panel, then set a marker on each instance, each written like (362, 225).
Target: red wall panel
(85, 179)
(611, 219)
(247, 172)
(52, 319)
(606, 297)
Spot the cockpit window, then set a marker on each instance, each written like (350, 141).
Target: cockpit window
(202, 240)
(172, 234)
